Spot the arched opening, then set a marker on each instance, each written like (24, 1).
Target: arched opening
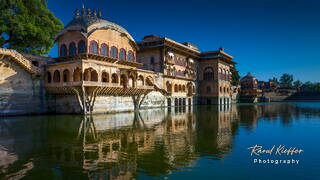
(130, 56)
(183, 88)
(179, 88)
(184, 102)
(104, 50)
(175, 88)
(77, 75)
(66, 75)
(56, 76)
(94, 75)
(81, 47)
(189, 102)
(140, 81)
(63, 50)
(114, 78)
(114, 52)
(220, 89)
(169, 86)
(123, 80)
(208, 74)
(72, 49)
(123, 54)
(49, 77)
(149, 81)
(180, 101)
(176, 102)
(105, 77)
(93, 47)
(224, 89)
(86, 75)
(131, 81)
(169, 101)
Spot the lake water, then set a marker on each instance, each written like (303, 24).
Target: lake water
(201, 142)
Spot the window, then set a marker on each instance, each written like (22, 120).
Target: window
(208, 74)
(93, 47)
(63, 50)
(130, 56)
(104, 50)
(72, 49)
(114, 52)
(208, 89)
(122, 54)
(81, 47)
(151, 60)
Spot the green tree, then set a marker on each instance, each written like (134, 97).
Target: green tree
(286, 80)
(297, 84)
(28, 26)
(235, 78)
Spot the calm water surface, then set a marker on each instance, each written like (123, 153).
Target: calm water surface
(186, 143)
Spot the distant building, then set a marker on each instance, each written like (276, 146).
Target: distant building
(250, 91)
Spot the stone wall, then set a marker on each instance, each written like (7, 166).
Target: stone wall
(20, 92)
(67, 104)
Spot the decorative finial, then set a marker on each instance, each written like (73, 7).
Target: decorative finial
(221, 48)
(99, 13)
(82, 10)
(88, 12)
(76, 12)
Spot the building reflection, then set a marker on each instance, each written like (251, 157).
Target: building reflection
(121, 146)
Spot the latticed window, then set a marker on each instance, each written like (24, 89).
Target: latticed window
(81, 47)
(72, 49)
(114, 52)
(93, 47)
(122, 54)
(130, 56)
(208, 74)
(63, 50)
(104, 50)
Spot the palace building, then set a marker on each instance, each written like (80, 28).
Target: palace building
(101, 68)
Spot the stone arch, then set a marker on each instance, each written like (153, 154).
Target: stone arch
(94, 75)
(77, 75)
(169, 86)
(123, 80)
(149, 81)
(114, 78)
(90, 75)
(49, 78)
(140, 81)
(131, 81)
(175, 88)
(104, 77)
(56, 76)
(66, 75)
(176, 102)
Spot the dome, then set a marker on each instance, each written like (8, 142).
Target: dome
(88, 23)
(248, 77)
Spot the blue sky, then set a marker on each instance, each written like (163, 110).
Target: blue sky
(267, 38)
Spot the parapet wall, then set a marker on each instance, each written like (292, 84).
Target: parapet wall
(20, 91)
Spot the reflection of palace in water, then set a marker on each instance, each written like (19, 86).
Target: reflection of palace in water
(114, 146)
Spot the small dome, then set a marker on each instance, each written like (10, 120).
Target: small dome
(89, 23)
(248, 77)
